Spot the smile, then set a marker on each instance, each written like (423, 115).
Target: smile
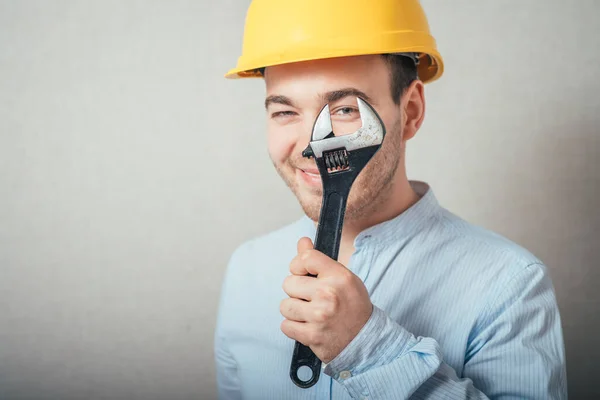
(310, 177)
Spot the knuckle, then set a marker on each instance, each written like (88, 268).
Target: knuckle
(285, 328)
(347, 278)
(326, 292)
(330, 298)
(282, 307)
(305, 254)
(331, 308)
(294, 264)
(310, 254)
(320, 315)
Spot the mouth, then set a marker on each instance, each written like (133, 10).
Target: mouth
(310, 176)
(311, 172)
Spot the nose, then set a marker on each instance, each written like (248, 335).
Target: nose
(306, 130)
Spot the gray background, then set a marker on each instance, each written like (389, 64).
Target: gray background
(130, 170)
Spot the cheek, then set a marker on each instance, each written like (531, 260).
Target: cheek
(281, 142)
(392, 118)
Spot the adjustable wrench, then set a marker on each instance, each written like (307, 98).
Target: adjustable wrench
(340, 159)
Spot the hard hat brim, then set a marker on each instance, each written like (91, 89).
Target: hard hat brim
(430, 66)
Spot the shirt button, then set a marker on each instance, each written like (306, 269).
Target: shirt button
(345, 374)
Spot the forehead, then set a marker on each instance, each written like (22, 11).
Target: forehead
(366, 72)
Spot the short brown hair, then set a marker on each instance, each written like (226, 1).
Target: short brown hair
(403, 70)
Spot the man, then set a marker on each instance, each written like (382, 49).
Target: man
(420, 303)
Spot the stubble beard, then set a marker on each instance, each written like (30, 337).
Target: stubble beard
(371, 189)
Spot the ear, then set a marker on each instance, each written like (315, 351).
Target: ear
(413, 104)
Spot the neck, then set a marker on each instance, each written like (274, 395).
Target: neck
(398, 199)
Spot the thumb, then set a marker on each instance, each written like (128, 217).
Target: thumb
(304, 244)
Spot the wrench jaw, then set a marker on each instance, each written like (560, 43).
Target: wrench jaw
(333, 153)
(323, 127)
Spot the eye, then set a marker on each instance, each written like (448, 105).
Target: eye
(346, 112)
(279, 114)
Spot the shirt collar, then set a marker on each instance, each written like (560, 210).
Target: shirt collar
(404, 225)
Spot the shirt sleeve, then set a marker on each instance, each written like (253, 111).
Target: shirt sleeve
(515, 350)
(228, 384)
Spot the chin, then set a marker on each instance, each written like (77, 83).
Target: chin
(311, 205)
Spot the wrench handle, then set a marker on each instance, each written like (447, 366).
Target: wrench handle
(329, 231)
(327, 241)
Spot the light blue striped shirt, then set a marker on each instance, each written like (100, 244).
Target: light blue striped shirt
(459, 312)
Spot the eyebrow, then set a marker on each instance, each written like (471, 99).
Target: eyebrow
(328, 97)
(339, 94)
(278, 99)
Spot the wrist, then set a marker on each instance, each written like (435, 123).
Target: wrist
(378, 342)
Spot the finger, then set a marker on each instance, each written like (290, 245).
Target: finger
(300, 287)
(304, 244)
(294, 309)
(296, 331)
(312, 262)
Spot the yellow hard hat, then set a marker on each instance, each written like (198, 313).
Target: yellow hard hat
(284, 31)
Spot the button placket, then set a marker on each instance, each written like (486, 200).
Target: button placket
(359, 261)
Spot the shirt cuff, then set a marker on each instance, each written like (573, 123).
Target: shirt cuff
(379, 342)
